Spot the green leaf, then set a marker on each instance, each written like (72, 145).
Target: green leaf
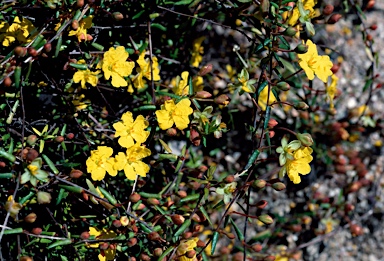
(183, 2)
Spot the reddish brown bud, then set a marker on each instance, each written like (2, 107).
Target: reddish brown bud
(116, 223)
(370, 4)
(89, 37)
(131, 242)
(153, 201)
(144, 257)
(157, 252)
(356, 230)
(269, 258)
(2, 164)
(223, 99)
(171, 132)
(369, 37)
(203, 94)
(187, 235)
(75, 173)
(205, 69)
(26, 258)
(118, 16)
(20, 51)
(328, 9)
(261, 204)
(182, 193)
(272, 123)
(135, 229)
(195, 137)
(37, 230)
(200, 243)
(7, 82)
(334, 18)
(296, 228)
(154, 236)
(190, 254)
(257, 247)
(196, 218)
(30, 218)
(373, 27)
(70, 136)
(85, 235)
(47, 47)
(177, 219)
(59, 139)
(229, 179)
(355, 186)
(31, 155)
(80, 3)
(134, 197)
(335, 68)
(32, 51)
(75, 24)
(348, 208)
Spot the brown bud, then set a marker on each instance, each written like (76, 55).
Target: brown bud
(355, 186)
(37, 230)
(75, 24)
(153, 201)
(356, 230)
(200, 243)
(118, 16)
(348, 208)
(257, 247)
(7, 82)
(26, 258)
(370, 4)
(20, 51)
(196, 218)
(75, 173)
(177, 219)
(296, 228)
(262, 204)
(30, 218)
(134, 197)
(340, 168)
(229, 179)
(80, 3)
(2, 164)
(223, 99)
(328, 9)
(89, 37)
(269, 258)
(195, 137)
(278, 186)
(144, 257)
(369, 37)
(59, 139)
(47, 47)
(187, 235)
(32, 51)
(70, 136)
(182, 193)
(116, 223)
(272, 123)
(334, 18)
(190, 254)
(203, 94)
(85, 235)
(31, 139)
(131, 242)
(335, 68)
(205, 70)
(154, 236)
(373, 27)
(171, 132)
(135, 229)
(157, 252)
(31, 155)
(104, 246)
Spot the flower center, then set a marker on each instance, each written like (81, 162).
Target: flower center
(33, 169)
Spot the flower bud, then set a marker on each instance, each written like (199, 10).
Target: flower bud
(370, 4)
(26, 258)
(144, 257)
(257, 247)
(154, 236)
(334, 18)
(30, 218)
(301, 48)
(305, 139)
(195, 137)
(7, 82)
(196, 218)
(75, 173)
(369, 37)
(31, 139)
(20, 51)
(269, 258)
(328, 9)
(200, 243)
(134, 197)
(262, 204)
(89, 37)
(259, 183)
(187, 235)
(153, 201)
(356, 230)
(104, 246)
(335, 68)
(203, 94)
(171, 132)
(132, 241)
(31, 155)
(290, 31)
(348, 208)
(182, 193)
(355, 186)
(117, 16)
(37, 230)
(190, 254)
(44, 197)
(124, 221)
(157, 252)
(85, 235)
(373, 27)
(70, 136)
(177, 219)
(278, 186)
(266, 219)
(59, 139)
(205, 70)
(301, 106)
(47, 47)
(229, 179)
(116, 223)
(223, 99)
(80, 3)
(283, 86)
(272, 123)
(75, 24)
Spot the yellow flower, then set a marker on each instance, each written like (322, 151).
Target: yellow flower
(197, 51)
(198, 83)
(12, 207)
(33, 173)
(263, 98)
(171, 113)
(19, 30)
(181, 86)
(107, 254)
(184, 247)
(101, 162)
(298, 165)
(145, 71)
(86, 76)
(331, 89)
(115, 65)
(308, 6)
(131, 162)
(79, 104)
(312, 63)
(81, 32)
(130, 131)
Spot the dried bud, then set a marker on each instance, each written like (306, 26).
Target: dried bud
(290, 31)
(31, 139)
(85, 235)
(153, 201)
(59, 139)
(334, 18)
(44, 197)
(272, 123)
(223, 99)
(75, 24)
(259, 183)
(118, 16)
(205, 70)
(20, 51)
(30, 218)
(7, 82)
(190, 254)
(132, 241)
(266, 219)
(203, 94)
(328, 9)
(283, 86)
(301, 106)
(116, 223)
(195, 137)
(154, 236)
(157, 252)
(134, 197)
(301, 48)
(177, 219)
(47, 47)
(257, 247)
(262, 204)
(278, 186)
(305, 139)
(37, 230)
(75, 173)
